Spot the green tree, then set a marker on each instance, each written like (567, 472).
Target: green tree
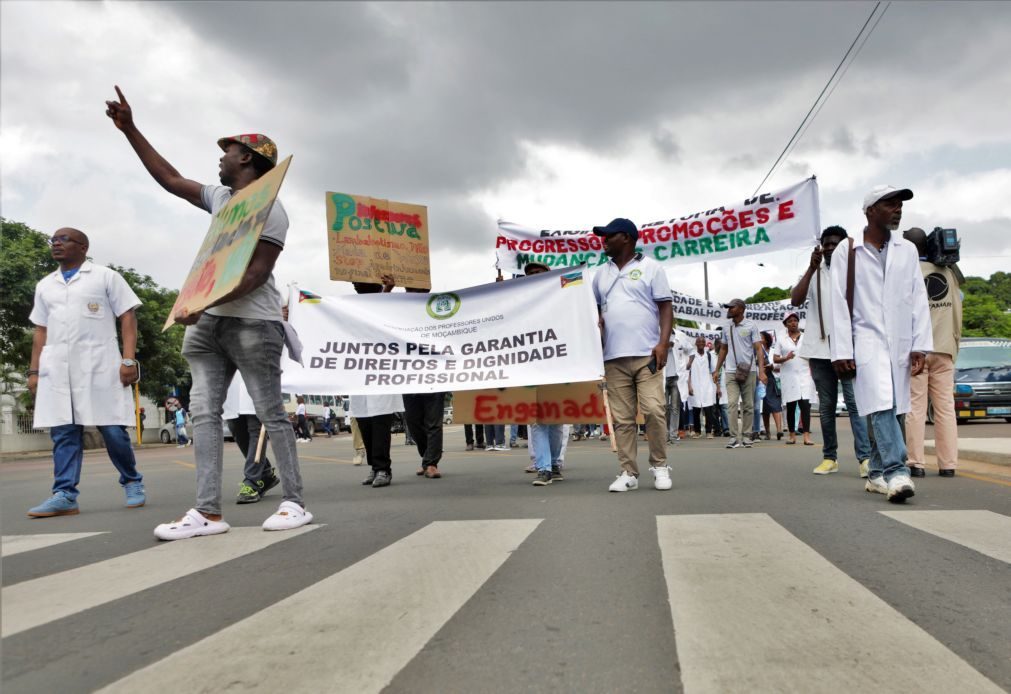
(768, 294)
(160, 353)
(24, 260)
(982, 316)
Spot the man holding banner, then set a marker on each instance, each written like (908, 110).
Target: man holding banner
(239, 331)
(634, 304)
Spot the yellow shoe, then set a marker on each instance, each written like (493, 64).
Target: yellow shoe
(827, 467)
(865, 466)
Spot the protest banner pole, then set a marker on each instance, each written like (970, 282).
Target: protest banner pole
(607, 415)
(259, 444)
(136, 412)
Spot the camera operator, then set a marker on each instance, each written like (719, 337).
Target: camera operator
(938, 376)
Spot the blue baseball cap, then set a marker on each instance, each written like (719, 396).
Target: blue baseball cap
(618, 226)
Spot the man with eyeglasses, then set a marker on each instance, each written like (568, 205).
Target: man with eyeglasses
(78, 375)
(242, 332)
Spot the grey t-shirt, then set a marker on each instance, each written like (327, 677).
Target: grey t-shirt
(264, 302)
(744, 335)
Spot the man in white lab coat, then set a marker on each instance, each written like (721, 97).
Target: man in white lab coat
(78, 375)
(886, 334)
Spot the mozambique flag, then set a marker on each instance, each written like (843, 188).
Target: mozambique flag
(305, 297)
(571, 279)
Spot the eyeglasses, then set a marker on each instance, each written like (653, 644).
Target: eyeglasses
(61, 239)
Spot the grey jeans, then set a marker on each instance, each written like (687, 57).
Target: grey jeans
(673, 399)
(215, 347)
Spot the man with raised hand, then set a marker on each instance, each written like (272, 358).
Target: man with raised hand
(636, 316)
(881, 332)
(814, 288)
(241, 331)
(78, 375)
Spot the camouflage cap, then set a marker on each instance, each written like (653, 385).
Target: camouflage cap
(261, 144)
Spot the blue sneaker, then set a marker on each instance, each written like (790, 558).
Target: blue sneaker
(59, 504)
(134, 494)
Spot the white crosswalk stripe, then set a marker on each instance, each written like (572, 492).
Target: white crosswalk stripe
(332, 636)
(757, 610)
(986, 532)
(16, 544)
(42, 600)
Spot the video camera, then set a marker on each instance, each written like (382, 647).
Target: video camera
(942, 247)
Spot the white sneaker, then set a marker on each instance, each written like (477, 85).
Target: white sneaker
(623, 483)
(900, 488)
(876, 485)
(193, 524)
(490, 448)
(289, 515)
(661, 478)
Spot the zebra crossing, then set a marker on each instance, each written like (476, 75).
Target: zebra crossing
(754, 609)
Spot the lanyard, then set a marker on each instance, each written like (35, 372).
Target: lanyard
(636, 257)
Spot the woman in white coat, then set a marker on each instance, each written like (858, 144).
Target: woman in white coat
(794, 376)
(886, 339)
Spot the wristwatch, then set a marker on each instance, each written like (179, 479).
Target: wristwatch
(129, 362)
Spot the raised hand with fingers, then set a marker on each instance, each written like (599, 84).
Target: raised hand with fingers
(120, 111)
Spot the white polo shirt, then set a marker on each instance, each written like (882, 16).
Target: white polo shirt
(627, 299)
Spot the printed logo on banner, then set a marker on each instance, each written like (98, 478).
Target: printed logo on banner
(635, 274)
(571, 279)
(305, 297)
(443, 306)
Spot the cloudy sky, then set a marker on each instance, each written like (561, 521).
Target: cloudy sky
(553, 115)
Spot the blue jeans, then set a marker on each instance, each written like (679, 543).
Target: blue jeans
(724, 420)
(827, 383)
(514, 429)
(215, 348)
(494, 434)
(546, 442)
(68, 456)
(181, 434)
(888, 448)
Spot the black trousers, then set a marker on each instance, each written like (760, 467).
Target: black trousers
(805, 415)
(376, 436)
(423, 414)
(712, 419)
(468, 434)
(246, 431)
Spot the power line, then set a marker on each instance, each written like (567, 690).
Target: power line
(797, 132)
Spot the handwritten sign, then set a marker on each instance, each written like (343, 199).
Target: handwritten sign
(563, 403)
(370, 237)
(229, 244)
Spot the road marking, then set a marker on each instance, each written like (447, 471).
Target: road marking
(757, 610)
(984, 478)
(986, 532)
(353, 631)
(16, 544)
(185, 464)
(43, 600)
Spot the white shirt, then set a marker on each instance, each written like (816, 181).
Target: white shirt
(813, 346)
(237, 401)
(79, 364)
(627, 299)
(794, 375)
(373, 405)
(891, 318)
(300, 410)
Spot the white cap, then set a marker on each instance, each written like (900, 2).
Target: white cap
(881, 192)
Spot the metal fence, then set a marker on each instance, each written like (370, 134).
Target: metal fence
(24, 424)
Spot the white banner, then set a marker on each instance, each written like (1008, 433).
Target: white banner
(529, 331)
(767, 315)
(788, 218)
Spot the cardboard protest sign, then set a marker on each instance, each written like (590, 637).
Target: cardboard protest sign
(787, 218)
(528, 331)
(563, 403)
(371, 237)
(228, 247)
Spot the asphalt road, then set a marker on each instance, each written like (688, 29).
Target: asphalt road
(751, 575)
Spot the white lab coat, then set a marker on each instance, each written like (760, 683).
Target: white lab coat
(373, 405)
(701, 373)
(795, 374)
(238, 400)
(79, 364)
(683, 347)
(891, 318)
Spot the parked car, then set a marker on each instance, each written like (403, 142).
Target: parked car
(982, 380)
(447, 415)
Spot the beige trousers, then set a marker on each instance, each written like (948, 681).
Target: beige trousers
(356, 435)
(630, 384)
(938, 380)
